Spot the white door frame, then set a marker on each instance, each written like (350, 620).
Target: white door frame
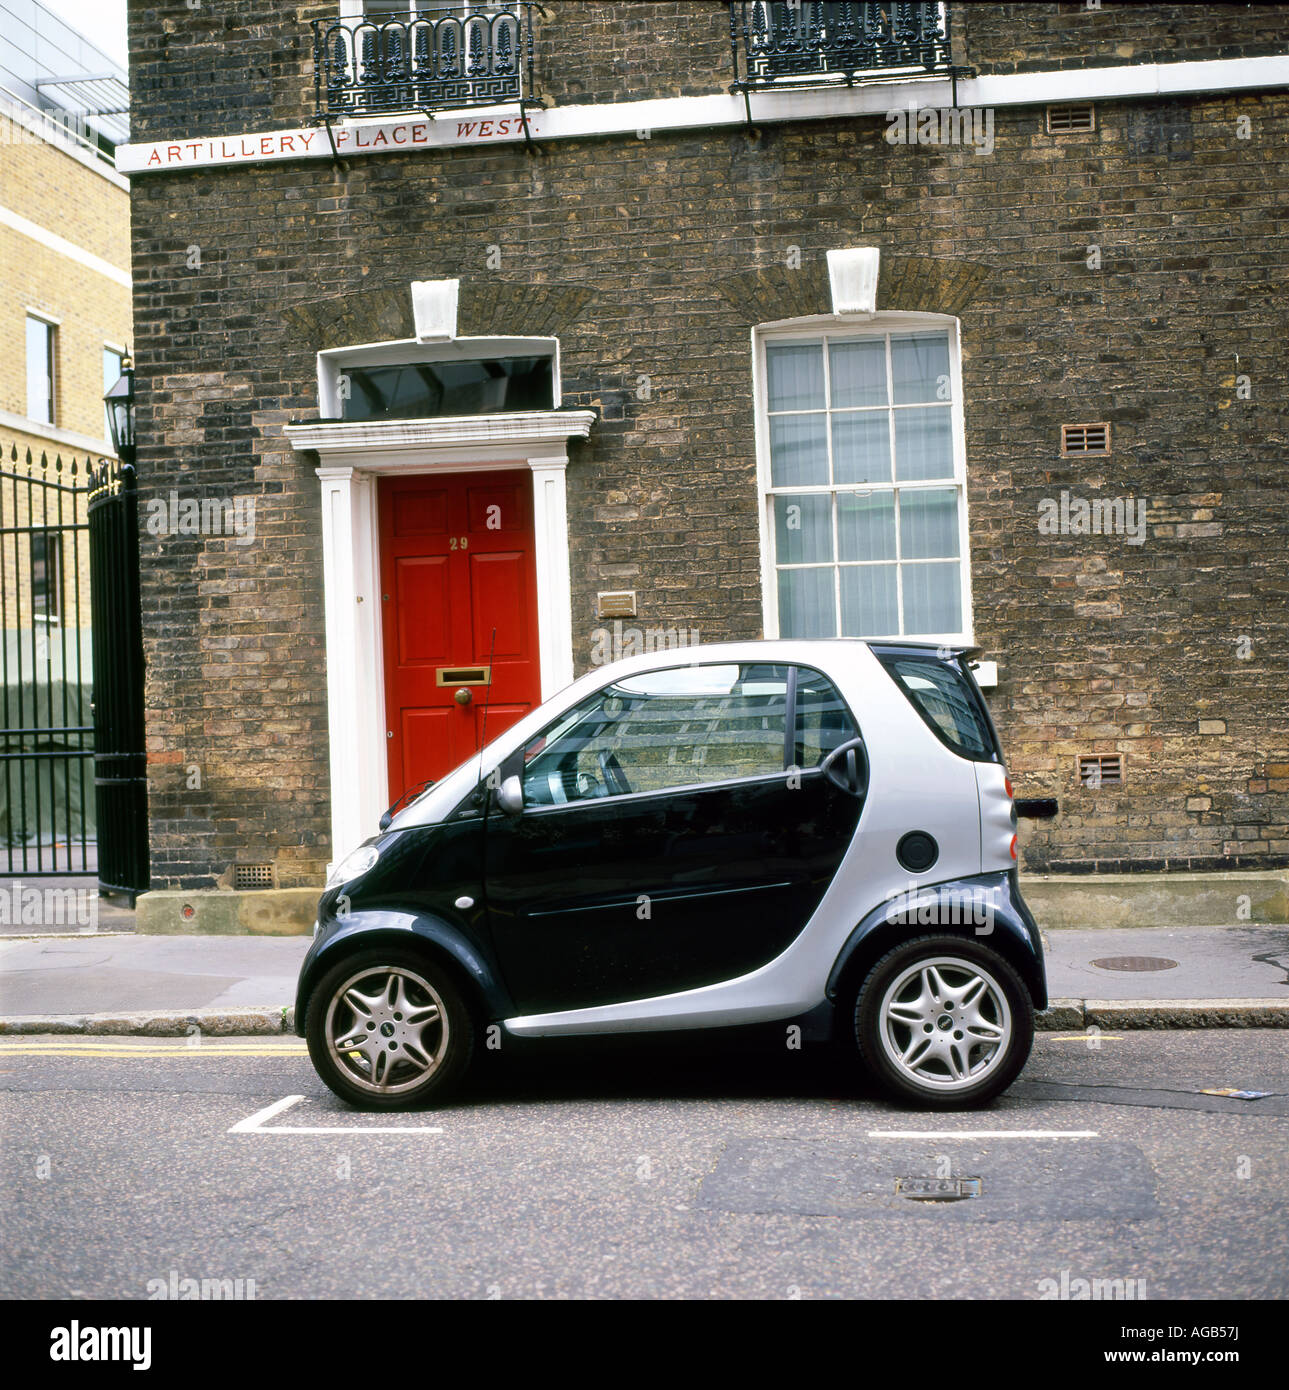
(353, 454)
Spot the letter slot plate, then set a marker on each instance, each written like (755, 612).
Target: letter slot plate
(463, 675)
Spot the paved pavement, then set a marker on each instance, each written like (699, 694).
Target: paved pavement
(103, 973)
(643, 1171)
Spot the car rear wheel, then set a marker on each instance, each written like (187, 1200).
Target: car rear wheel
(387, 1029)
(944, 1023)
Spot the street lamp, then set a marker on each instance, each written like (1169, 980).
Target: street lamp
(120, 412)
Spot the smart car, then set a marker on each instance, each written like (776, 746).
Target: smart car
(819, 834)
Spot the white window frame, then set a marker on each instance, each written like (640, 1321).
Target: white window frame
(333, 361)
(53, 325)
(832, 326)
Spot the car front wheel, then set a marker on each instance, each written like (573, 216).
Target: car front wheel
(387, 1030)
(944, 1023)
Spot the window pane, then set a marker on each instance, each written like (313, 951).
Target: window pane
(40, 387)
(943, 696)
(923, 444)
(796, 377)
(932, 598)
(823, 721)
(667, 729)
(807, 606)
(421, 390)
(798, 451)
(920, 368)
(858, 373)
(928, 523)
(111, 375)
(803, 528)
(866, 526)
(861, 448)
(868, 601)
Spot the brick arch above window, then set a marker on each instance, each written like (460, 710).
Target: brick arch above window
(486, 307)
(914, 284)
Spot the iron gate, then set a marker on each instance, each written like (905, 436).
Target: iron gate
(72, 764)
(120, 761)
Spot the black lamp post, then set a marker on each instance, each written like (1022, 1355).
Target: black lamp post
(120, 412)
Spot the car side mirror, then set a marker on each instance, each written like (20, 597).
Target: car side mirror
(510, 796)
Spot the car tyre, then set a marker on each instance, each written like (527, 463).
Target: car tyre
(944, 1023)
(387, 1029)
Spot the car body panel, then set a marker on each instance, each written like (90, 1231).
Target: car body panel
(812, 898)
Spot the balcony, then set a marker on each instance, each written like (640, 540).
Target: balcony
(439, 58)
(817, 43)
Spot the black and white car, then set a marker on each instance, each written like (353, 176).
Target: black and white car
(817, 833)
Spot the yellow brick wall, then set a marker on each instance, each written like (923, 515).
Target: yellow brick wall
(41, 183)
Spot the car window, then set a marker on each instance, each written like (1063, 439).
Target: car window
(946, 700)
(673, 728)
(823, 721)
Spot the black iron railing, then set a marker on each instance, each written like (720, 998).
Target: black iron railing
(47, 809)
(438, 58)
(781, 43)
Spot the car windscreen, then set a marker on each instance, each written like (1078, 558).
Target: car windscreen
(946, 698)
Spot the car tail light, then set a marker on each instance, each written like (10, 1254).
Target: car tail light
(1013, 847)
(1007, 783)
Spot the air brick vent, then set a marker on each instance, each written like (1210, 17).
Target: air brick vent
(252, 876)
(1100, 770)
(1085, 439)
(1071, 118)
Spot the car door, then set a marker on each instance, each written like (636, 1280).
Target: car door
(672, 835)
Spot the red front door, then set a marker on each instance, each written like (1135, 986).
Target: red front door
(456, 567)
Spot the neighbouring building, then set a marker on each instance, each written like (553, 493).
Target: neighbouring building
(512, 338)
(65, 314)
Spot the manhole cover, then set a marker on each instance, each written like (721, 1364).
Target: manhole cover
(1135, 963)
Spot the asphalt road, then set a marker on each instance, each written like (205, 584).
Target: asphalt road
(664, 1170)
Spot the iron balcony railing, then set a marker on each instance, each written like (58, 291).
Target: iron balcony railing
(781, 43)
(436, 58)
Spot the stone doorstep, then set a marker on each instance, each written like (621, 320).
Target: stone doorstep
(226, 912)
(1062, 1015)
(1057, 900)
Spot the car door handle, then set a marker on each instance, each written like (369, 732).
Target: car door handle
(846, 767)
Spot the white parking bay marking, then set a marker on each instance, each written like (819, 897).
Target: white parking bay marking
(983, 1134)
(257, 1124)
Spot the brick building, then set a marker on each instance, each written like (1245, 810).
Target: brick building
(647, 321)
(65, 314)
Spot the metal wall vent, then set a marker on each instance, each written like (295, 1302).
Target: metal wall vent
(1071, 118)
(1100, 770)
(250, 876)
(1085, 439)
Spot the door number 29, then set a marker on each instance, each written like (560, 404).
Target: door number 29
(459, 543)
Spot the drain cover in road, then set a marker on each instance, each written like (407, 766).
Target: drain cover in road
(1135, 963)
(1020, 1180)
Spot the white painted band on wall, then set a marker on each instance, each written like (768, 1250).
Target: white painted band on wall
(502, 125)
(18, 223)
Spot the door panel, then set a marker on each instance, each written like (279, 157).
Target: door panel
(424, 608)
(627, 897)
(456, 562)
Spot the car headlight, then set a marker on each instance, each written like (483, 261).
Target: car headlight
(354, 865)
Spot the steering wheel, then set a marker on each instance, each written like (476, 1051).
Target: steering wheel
(614, 778)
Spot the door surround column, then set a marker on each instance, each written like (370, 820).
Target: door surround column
(352, 455)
